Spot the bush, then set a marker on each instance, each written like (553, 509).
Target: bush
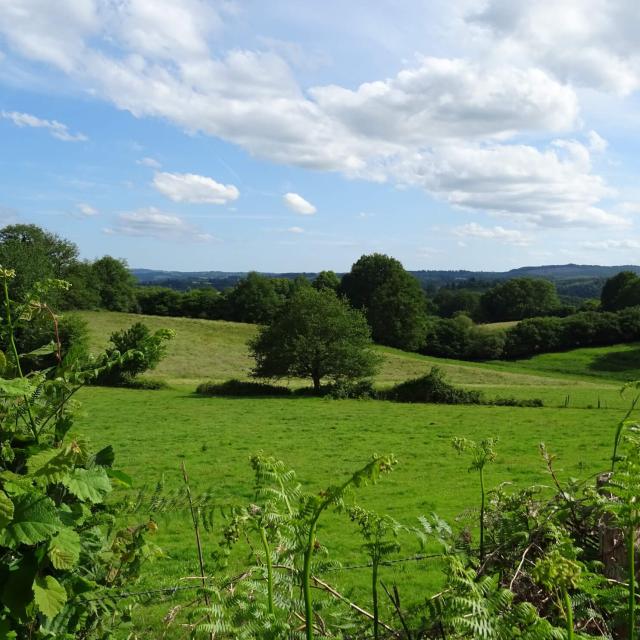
(145, 351)
(515, 402)
(146, 384)
(351, 390)
(241, 388)
(432, 388)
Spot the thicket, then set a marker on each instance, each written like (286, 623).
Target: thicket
(66, 558)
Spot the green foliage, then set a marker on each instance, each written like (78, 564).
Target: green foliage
(392, 299)
(316, 335)
(147, 350)
(327, 280)
(63, 559)
(35, 255)
(254, 299)
(241, 388)
(519, 298)
(115, 285)
(432, 387)
(620, 291)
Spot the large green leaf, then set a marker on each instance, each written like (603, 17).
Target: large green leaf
(34, 519)
(50, 465)
(6, 509)
(88, 484)
(64, 549)
(49, 595)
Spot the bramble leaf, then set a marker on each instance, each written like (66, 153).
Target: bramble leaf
(49, 595)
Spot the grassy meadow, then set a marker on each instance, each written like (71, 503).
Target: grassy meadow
(153, 432)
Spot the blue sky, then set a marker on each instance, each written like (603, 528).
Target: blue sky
(291, 136)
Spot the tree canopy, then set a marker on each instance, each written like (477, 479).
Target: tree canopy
(392, 299)
(519, 298)
(620, 291)
(315, 335)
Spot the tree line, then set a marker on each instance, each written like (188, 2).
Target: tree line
(397, 309)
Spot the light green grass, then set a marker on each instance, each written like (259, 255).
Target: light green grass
(216, 350)
(154, 431)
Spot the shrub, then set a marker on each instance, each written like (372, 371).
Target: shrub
(147, 350)
(515, 402)
(351, 390)
(432, 388)
(241, 388)
(147, 384)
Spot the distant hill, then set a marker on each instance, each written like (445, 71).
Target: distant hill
(572, 280)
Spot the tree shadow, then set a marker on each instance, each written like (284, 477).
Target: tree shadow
(618, 362)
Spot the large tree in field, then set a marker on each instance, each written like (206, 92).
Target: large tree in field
(315, 335)
(392, 299)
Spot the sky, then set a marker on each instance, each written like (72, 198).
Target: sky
(296, 136)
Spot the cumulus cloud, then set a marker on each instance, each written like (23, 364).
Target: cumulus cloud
(55, 128)
(552, 188)
(153, 223)
(190, 187)
(451, 126)
(590, 43)
(298, 204)
(149, 162)
(506, 236)
(295, 230)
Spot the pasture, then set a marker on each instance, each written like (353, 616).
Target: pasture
(153, 432)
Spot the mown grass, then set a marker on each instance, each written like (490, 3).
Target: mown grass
(153, 432)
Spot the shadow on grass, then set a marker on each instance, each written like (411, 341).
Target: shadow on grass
(624, 363)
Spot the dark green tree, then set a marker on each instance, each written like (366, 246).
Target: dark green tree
(315, 335)
(392, 299)
(36, 255)
(116, 285)
(519, 298)
(327, 280)
(255, 299)
(620, 291)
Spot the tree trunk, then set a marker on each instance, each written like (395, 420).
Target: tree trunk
(316, 383)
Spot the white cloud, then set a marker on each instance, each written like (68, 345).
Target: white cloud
(55, 128)
(149, 162)
(295, 230)
(506, 236)
(86, 210)
(549, 188)
(190, 187)
(600, 245)
(451, 98)
(298, 204)
(590, 43)
(153, 223)
(451, 126)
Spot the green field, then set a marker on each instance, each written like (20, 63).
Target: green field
(153, 432)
